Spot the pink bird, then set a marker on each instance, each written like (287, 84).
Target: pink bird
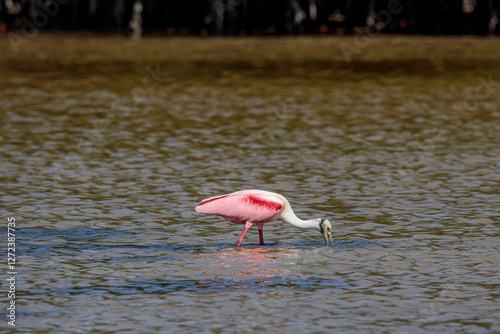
(259, 207)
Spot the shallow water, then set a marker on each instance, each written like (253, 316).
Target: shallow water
(109, 143)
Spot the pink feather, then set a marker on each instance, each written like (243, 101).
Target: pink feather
(243, 206)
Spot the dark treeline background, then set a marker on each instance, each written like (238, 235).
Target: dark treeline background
(249, 17)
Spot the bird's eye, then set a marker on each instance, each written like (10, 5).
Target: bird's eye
(328, 229)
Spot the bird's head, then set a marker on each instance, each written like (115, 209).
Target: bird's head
(326, 230)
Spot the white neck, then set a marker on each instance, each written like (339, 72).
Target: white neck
(288, 216)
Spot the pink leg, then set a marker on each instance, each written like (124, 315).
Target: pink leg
(261, 235)
(240, 239)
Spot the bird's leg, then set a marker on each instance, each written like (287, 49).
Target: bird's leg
(261, 235)
(240, 239)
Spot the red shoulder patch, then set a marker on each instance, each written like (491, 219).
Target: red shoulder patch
(263, 203)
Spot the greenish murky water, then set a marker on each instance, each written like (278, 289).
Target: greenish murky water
(107, 144)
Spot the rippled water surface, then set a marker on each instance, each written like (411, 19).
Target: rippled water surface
(109, 143)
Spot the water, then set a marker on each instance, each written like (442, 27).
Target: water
(108, 144)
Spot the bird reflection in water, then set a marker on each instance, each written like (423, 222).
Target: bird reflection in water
(248, 267)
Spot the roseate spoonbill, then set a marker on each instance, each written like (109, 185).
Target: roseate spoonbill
(259, 207)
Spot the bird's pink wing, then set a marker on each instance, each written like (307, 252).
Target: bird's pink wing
(242, 206)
